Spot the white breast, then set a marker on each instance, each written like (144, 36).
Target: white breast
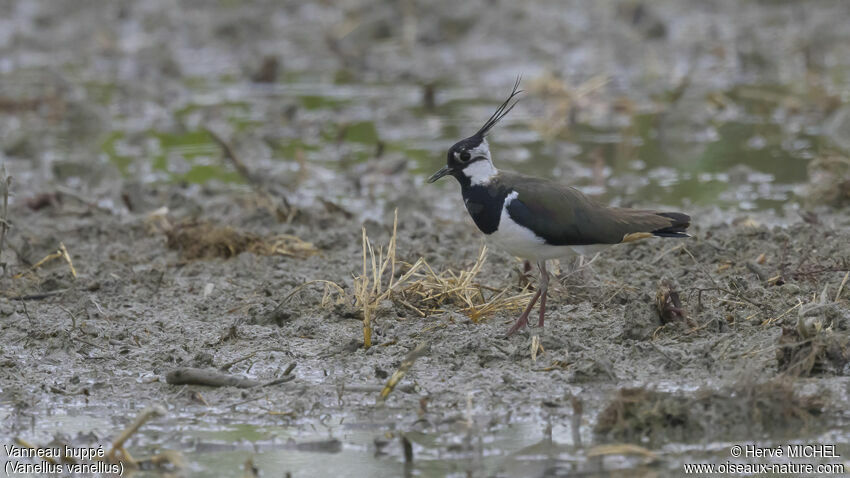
(522, 241)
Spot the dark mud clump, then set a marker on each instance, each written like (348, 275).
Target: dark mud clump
(818, 345)
(742, 411)
(829, 181)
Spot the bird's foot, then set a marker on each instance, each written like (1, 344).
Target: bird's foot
(521, 322)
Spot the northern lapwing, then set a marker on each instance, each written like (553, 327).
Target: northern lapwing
(539, 219)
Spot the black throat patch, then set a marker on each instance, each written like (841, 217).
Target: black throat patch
(484, 203)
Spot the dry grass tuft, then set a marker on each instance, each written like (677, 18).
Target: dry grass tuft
(371, 287)
(563, 101)
(802, 353)
(428, 292)
(423, 290)
(418, 288)
(204, 240)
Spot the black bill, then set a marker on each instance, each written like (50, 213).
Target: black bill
(439, 174)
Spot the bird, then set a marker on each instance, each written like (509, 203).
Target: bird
(540, 219)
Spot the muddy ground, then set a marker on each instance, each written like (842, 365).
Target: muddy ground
(756, 352)
(184, 174)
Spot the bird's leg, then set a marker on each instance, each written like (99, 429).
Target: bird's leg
(522, 321)
(542, 288)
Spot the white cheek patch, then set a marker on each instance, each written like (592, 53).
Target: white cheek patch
(480, 172)
(482, 149)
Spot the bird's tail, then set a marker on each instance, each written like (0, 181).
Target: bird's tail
(677, 228)
(640, 224)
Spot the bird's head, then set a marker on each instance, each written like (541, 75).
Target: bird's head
(470, 158)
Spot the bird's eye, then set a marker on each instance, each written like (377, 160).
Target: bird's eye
(464, 156)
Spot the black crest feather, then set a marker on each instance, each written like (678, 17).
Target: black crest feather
(502, 111)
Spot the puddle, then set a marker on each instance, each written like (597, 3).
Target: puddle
(634, 160)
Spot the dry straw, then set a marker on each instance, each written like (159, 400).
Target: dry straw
(419, 288)
(371, 288)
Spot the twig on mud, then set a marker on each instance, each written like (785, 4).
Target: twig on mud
(284, 379)
(5, 185)
(535, 346)
(27, 313)
(755, 350)
(702, 268)
(665, 252)
(61, 253)
(733, 294)
(662, 352)
(118, 444)
(226, 367)
(408, 362)
(75, 195)
(360, 388)
(758, 271)
(806, 255)
(234, 159)
(821, 271)
(412, 307)
(283, 209)
(67, 258)
(841, 287)
(775, 319)
(243, 402)
(89, 343)
(783, 266)
(704, 325)
(42, 295)
(408, 449)
(298, 289)
(93, 300)
(616, 292)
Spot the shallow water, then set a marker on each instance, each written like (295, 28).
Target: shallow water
(733, 126)
(343, 445)
(746, 159)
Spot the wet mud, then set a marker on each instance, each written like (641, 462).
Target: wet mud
(192, 192)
